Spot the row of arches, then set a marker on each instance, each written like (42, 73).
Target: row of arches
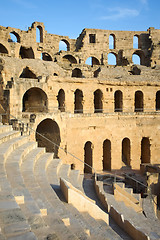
(107, 154)
(136, 41)
(35, 99)
(25, 52)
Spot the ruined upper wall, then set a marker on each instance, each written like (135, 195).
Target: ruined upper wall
(93, 43)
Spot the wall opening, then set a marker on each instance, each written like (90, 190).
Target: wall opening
(138, 101)
(69, 59)
(112, 59)
(39, 34)
(78, 101)
(157, 100)
(77, 73)
(3, 49)
(49, 129)
(107, 155)
(46, 57)
(126, 150)
(112, 43)
(64, 45)
(14, 37)
(35, 100)
(136, 42)
(26, 53)
(118, 101)
(98, 101)
(88, 157)
(61, 100)
(92, 61)
(92, 38)
(145, 150)
(27, 73)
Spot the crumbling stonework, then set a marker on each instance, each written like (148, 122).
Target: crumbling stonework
(106, 115)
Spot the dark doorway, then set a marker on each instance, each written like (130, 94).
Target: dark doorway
(107, 155)
(126, 149)
(145, 150)
(88, 157)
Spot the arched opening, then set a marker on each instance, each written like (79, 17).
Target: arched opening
(107, 155)
(157, 100)
(145, 150)
(126, 150)
(138, 58)
(96, 73)
(46, 57)
(69, 59)
(50, 130)
(27, 73)
(39, 34)
(138, 101)
(78, 101)
(118, 101)
(3, 49)
(136, 42)
(26, 53)
(112, 42)
(14, 37)
(88, 157)
(77, 73)
(61, 100)
(112, 59)
(92, 61)
(98, 101)
(64, 45)
(35, 100)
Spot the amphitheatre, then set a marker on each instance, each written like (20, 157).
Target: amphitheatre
(79, 135)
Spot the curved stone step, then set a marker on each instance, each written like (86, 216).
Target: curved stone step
(5, 136)
(76, 179)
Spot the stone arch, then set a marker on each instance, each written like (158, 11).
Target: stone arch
(35, 100)
(118, 101)
(145, 150)
(126, 151)
(14, 37)
(46, 57)
(112, 41)
(138, 57)
(3, 49)
(26, 53)
(61, 100)
(92, 61)
(39, 34)
(69, 59)
(88, 157)
(77, 73)
(64, 45)
(50, 130)
(27, 73)
(138, 102)
(78, 101)
(107, 155)
(98, 101)
(158, 100)
(112, 58)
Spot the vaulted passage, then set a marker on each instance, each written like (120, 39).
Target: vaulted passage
(35, 100)
(88, 157)
(126, 149)
(78, 101)
(50, 130)
(118, 101)
(77, 73)
(3, 49)
(61, 100)
(107, 155)
(138, 101)
(98, 103)
(27, 73)
(26, 53)
(145, 150)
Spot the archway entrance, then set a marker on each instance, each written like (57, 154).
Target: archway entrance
(118, 101)
(88, 157)
(98, 101)
(50, 130)
(138, 101)
(35, 100)
(107, 155)
(145, 150)
(126, 149)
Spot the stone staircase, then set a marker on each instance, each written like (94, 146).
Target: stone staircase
(31, 203)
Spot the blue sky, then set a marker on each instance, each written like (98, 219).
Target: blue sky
(70, 17)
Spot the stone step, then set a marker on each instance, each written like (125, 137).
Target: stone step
(5, 136)
(5, 128)
(64, 171)
(76, 179)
